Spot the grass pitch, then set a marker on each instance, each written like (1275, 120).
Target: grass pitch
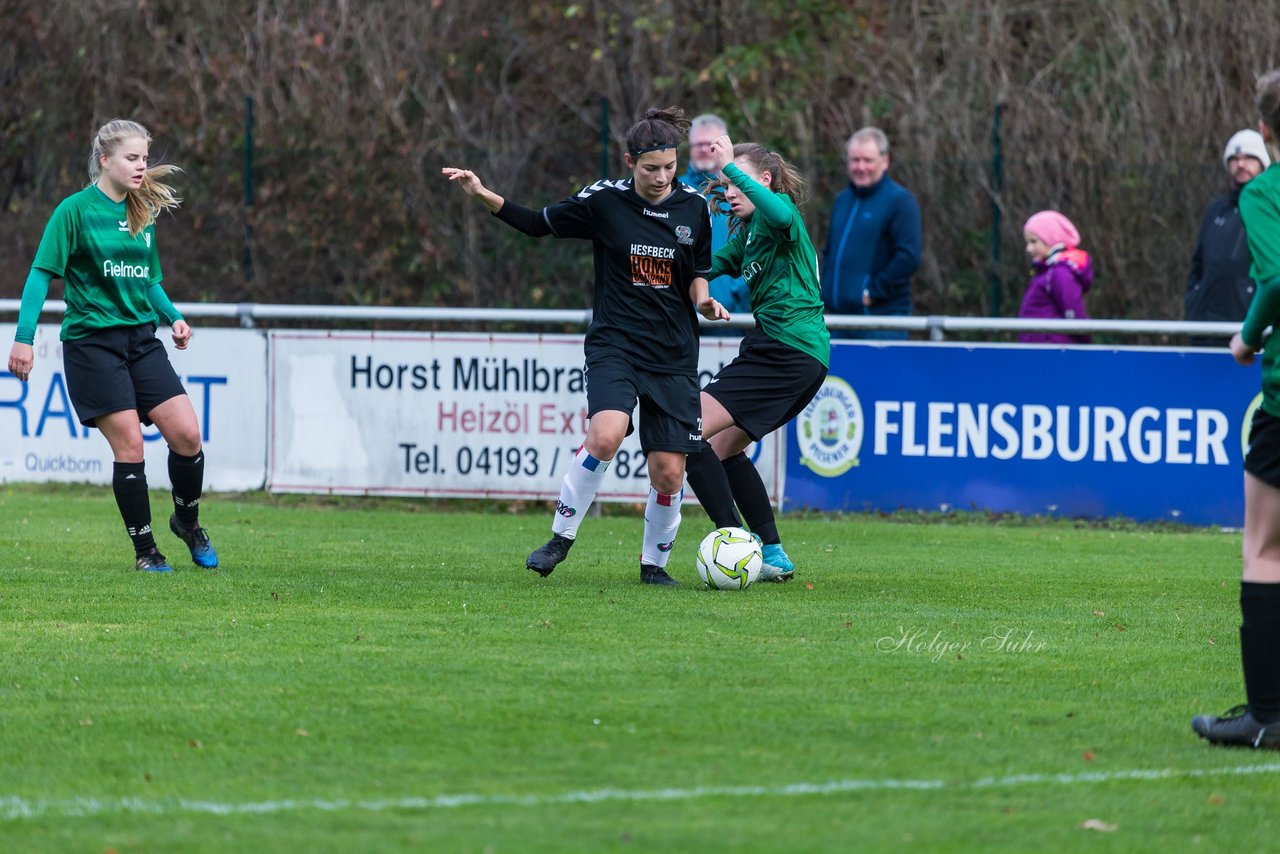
(387, 676)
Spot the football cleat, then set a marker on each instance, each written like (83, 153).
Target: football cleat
(153, 561)
(545, 559)
(1237, 727)
(197, 540)
(650, 574)
(775, 565)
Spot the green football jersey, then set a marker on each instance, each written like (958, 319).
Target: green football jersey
(107, 272)
(780, 267)
(1260, 212)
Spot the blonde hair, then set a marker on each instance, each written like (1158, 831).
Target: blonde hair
(144, 204)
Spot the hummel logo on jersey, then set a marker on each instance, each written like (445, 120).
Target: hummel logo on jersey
(659, 214)
(601, 185)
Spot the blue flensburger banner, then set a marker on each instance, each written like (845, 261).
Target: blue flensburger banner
(1076, 432)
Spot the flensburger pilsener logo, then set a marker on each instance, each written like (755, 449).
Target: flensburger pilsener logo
(120, 270)
(1247, 427)
(830, 429)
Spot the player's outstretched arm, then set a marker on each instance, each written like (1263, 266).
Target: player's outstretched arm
(520, 218)
(472, 186)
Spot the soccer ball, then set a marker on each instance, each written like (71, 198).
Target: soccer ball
(728, 559)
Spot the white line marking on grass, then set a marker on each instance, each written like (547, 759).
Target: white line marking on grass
(13, 807)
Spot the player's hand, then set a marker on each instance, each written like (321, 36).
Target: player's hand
(722, 151)
(21, 358)
(464, 178)
(866, 297)
(181, 334)
(1241, 351)
(711, 309)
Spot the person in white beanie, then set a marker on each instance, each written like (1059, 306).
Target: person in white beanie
(1219, 287)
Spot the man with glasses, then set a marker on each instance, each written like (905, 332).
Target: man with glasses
(733, 294)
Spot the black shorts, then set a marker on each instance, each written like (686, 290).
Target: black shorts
(670, 410)
(767, 385)
(1262, 458)
(125, 367)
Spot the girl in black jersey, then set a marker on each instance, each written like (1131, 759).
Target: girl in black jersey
(651, 237)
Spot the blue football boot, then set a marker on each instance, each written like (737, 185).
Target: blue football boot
(776, 566)
(153, 561)
(197, 540)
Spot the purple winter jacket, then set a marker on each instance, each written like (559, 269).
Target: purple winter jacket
(1057, 289)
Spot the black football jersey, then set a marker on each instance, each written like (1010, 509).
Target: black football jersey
(645, 257)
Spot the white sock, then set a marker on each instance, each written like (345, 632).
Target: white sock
(661, 522)
(578, 490)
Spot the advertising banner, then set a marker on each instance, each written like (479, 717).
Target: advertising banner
(446, 415)
(1152, 434)
(224, 372)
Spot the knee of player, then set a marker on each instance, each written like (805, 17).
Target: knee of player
(603, 444)
(666, 472)
(185, 441)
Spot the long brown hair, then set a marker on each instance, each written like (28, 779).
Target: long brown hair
(1268, 101)
(144, 204)
(783, 178)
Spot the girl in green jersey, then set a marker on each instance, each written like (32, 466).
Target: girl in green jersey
(1257, 723)
(101, 243)
(782, 362)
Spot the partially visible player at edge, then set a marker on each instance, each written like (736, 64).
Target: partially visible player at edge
(782, 361)
(651, 237)
(1257, 723)
(101, 242)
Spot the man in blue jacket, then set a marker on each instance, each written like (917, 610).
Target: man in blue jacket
(873, 244)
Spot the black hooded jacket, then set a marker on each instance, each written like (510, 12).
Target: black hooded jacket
(1219, 287)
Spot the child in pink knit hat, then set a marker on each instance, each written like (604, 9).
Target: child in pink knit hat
(1061, 276)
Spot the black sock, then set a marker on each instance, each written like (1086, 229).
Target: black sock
(753, 499)
(1260, 648)
(129, 483)
(709, 483)
(187, 476)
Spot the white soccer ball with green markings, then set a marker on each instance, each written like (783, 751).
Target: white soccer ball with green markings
(729, 559)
